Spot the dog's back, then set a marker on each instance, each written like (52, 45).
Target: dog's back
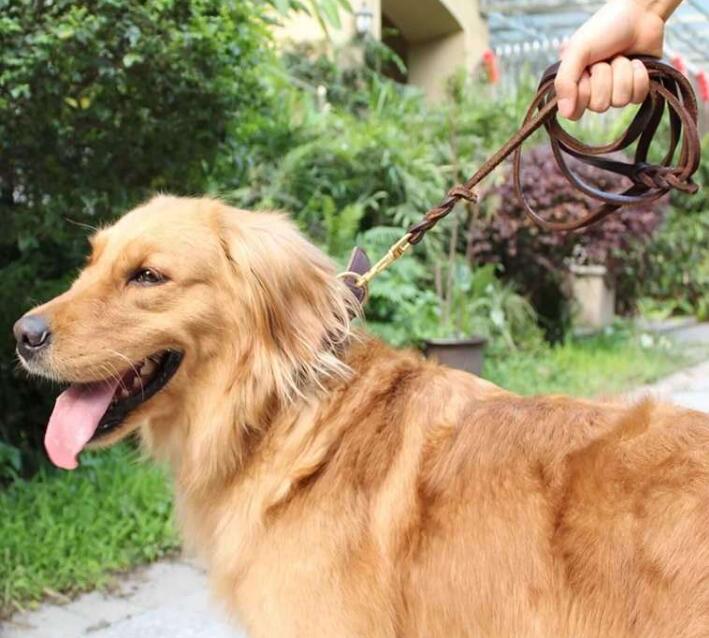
(567, 519)
(430, 503)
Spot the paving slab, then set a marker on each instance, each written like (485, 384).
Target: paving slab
(49, 621)
(696, 334)
(161, 624)
(688, 388)
(168, 599)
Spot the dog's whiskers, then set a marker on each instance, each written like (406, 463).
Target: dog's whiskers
(112, 372)
(132, 367)
(93, 229)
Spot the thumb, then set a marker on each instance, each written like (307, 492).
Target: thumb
(570, 71)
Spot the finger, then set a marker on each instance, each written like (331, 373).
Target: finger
(623, 79)
(584, 95)
(601, 86)
(567, 78)
(641, 82)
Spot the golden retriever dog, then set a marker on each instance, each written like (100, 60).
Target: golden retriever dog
(338, 488)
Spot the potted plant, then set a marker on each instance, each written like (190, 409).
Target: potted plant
(434, 298)
(593, 291)
(458, 340)
(477, 310)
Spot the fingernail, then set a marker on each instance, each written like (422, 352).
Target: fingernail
(638, 64)
(566, 106)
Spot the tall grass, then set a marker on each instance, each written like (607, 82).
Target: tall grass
(68, 531)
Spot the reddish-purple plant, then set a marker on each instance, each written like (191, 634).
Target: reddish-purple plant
(535, 259)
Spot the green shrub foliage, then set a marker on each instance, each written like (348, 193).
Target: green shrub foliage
(102, 103)
(674, 269)
(670, 275)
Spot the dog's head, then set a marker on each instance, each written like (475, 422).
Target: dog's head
(186, 311)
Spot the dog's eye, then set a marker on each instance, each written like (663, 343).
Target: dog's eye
(146, 277)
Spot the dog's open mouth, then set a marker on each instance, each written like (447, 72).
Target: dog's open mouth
(89, 411)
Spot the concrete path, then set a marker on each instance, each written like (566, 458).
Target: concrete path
(689, 388)
(170, 599)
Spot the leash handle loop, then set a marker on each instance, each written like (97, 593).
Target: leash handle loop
(668, 88)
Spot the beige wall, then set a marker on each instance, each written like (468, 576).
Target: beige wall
(444, 36)
(302, 28)
(431, 63)
(441, 36)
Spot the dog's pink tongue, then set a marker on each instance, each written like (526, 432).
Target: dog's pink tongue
(74, 420)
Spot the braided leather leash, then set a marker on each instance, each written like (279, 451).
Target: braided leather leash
(648, 181)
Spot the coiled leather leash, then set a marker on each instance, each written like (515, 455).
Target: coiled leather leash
(668, 87)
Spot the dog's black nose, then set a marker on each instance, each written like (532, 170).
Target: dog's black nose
(32, 334)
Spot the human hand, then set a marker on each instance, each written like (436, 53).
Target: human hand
(621, 27)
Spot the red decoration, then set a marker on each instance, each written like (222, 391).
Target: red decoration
(703, 85)
(679, 64)
(491, 66)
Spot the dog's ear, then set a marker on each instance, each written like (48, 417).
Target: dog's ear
(298, 312)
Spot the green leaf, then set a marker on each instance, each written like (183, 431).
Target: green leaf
(129, 59)
(20, 90)
(64, 32)
(331, 11)
(284, 7)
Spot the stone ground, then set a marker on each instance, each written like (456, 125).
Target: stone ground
(689, 387)
(165, 600)
(170, 599)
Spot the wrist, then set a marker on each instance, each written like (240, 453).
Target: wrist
(662, 9)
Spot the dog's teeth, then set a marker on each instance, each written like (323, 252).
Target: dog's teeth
(136, 383)
(147, 368)
(124, 393)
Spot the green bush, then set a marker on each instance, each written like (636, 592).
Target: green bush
(102, 103)
(373, 142)
(321, 163)
(675, 272)
(364, 166)
(671, 275)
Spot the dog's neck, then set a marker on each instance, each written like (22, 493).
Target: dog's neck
(254, 465)
(228, 428)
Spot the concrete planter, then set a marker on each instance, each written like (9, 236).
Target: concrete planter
(594, 295)
(462, 354)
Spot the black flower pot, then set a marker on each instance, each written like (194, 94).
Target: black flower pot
(462, 354)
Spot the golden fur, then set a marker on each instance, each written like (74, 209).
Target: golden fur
(338, 488)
